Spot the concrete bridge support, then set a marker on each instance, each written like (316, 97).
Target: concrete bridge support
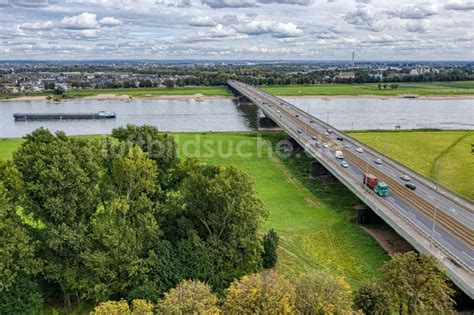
(265, 123)
(317, 170)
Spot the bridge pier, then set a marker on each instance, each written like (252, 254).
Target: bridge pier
(318, 171)
(265, 123)
(365, 215)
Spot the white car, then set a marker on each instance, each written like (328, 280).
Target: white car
(325, 145)
(344, 164)
(339, 155)
(405, 178)
(378, 161)
(360, 150)
(326, 133)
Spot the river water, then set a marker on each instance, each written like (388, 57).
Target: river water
(226, 114)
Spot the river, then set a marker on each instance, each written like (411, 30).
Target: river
(226, 114)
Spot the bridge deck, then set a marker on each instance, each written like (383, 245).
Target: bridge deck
(433, 220)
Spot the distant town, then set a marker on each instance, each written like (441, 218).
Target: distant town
(38, 77)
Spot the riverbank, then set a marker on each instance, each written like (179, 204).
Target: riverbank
(433, 90)
(201, 97)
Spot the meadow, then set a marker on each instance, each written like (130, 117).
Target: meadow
(150, 92)
(422, 89)
(431, 153)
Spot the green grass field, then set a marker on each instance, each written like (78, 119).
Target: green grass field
(423, 150)
(149, 92)
(311, 217)
(422, 89)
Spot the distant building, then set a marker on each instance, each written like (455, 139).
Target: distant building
(378, 76)
(346, 75)
(422, 70)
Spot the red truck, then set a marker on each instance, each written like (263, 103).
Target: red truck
(373, 183)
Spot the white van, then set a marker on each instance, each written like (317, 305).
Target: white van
(339, 155)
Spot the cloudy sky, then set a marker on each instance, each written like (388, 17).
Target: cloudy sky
(237, 29)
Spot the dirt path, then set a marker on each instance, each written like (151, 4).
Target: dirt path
(389, 239)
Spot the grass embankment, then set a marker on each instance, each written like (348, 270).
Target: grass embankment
(150, 92)
(422, 89)
(312, 217)
(424, 150)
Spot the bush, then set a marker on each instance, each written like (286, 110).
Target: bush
(270, 246)
(142, 307)
(265, 293)
(112, 308)
(371, 299)
(190, 297)
(320, 293)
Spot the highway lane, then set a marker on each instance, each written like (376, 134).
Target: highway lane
(310, 127)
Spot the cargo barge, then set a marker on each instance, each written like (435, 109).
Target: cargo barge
(61, 116)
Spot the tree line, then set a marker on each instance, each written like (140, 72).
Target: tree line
(86, 220)
(410, 284)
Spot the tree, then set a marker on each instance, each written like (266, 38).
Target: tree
(320, 293)
(19, 265)
(169, 83)
(270, 246)
(59, 90)
(112, 308)
(371, 299)
(125, 231)
(49, 86)
(60, 187)
(380, 86)
(161, 148)
(416, 283)
(218, 206)
(264, 293)
(190, 297)
(142, 307)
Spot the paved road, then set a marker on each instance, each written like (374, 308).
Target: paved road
(441, 217)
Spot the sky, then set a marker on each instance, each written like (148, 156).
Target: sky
(236, 29)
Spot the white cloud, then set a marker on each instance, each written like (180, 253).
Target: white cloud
(276, 29)
(418, 26)
(465, 5)
(363, 17)
(417, 11)
(219, 4)
(203, 21)
(37, 26)
(109, 21)
(80, 22)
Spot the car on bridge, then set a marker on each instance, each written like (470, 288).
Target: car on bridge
(405, 178)
(360, 150)
(378, 161)
(344, 164)
(410, 186)
(339, 155)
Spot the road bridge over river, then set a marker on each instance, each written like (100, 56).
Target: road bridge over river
(431, 218)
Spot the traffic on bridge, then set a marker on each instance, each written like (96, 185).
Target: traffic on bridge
(433, 219)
